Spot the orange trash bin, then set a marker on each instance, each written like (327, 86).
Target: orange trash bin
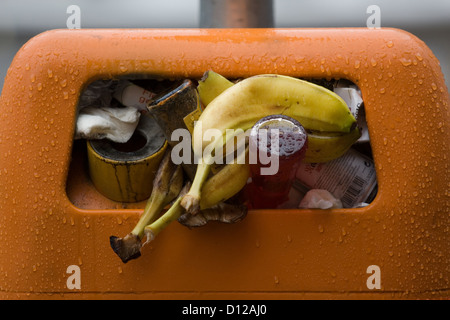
(53, 248)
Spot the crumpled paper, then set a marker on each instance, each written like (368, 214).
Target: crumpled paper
(115, 124)
(352, 96)
(319, 199)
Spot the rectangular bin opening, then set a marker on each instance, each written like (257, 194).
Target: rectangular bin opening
(108, 108)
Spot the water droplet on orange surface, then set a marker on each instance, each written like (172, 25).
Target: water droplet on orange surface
(406, 62)
(373, 62)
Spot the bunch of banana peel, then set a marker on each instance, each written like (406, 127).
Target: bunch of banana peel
(211, 194)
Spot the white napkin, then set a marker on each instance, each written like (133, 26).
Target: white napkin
(115, 124)
(319, 199)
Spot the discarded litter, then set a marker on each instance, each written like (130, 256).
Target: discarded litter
(335, 172)
(350, 178)
(319, 199)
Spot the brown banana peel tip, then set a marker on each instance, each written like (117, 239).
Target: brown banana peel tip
(127, 248)
(191, 204)
(229, 213)
(192, 221)
(222, 212)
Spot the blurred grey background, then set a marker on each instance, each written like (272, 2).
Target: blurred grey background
(20, 20)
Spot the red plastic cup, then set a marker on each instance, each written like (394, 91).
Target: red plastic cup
(277, 145)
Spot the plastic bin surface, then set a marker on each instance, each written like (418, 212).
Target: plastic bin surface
(276, 254)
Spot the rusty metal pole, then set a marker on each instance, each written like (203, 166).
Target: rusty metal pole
(236, 14)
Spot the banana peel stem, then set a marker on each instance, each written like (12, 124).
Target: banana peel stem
(191, 201)
(166, 187)
(129, 247)
(174, 212)
(157, 201)
(154, 206)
